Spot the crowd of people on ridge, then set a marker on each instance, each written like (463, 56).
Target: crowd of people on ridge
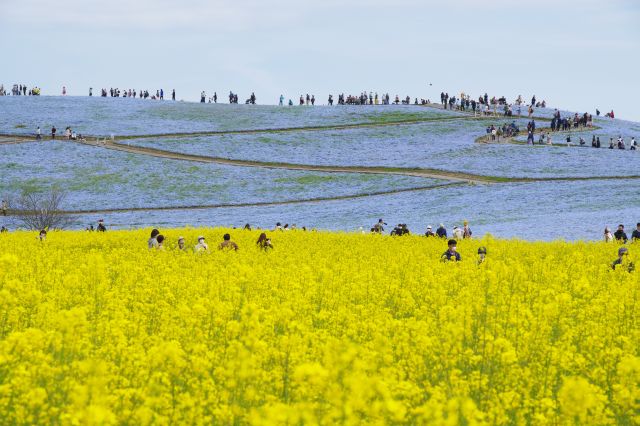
(20, 90)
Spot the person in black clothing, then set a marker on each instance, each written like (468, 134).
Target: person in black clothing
(441, 231)
(482, 254)
(620, 235)
(53, 132)
(101, 227)
(173, 95)
(622, 252)
(379, 227)
(429, 232)
(451, 253)
(635, 235)
(400, 230)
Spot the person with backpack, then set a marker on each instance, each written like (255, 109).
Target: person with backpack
(466, 230)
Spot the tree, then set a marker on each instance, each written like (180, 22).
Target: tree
(42, 210)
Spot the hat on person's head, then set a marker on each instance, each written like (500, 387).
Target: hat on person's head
(180, 238)
(101, 220)
(452, 243)
(466, 222)
(623, 250)
(429, 227)
(482, 250)
(200, 238)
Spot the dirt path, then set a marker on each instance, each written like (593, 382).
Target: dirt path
(426, 173)
(16, 140)
(416, 172)
(260, 204)
(371, 124)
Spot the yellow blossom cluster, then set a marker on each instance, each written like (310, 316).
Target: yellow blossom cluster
(325, 328)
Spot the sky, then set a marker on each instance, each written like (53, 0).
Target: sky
(576, 55)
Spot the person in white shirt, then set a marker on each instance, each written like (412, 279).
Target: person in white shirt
(201, 246)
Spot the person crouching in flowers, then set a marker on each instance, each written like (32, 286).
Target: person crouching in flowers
(482, 254)
(623, 256)
(263, 242)
(201, 246)
(451, 253)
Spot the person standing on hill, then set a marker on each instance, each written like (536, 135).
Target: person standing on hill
(620, 235)
(429, 232)
(101, 227)
(441, 231)
(53, 132)
(38, 134)
(4, 207)
(452, 253)
(635, 235)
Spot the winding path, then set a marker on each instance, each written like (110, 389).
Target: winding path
(415, 172)
(426, 173)
(453, 178)
(261, 204)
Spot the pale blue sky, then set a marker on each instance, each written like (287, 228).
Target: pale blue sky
(577, 55)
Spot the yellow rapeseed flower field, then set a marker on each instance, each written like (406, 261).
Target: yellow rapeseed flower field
(326, 328)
